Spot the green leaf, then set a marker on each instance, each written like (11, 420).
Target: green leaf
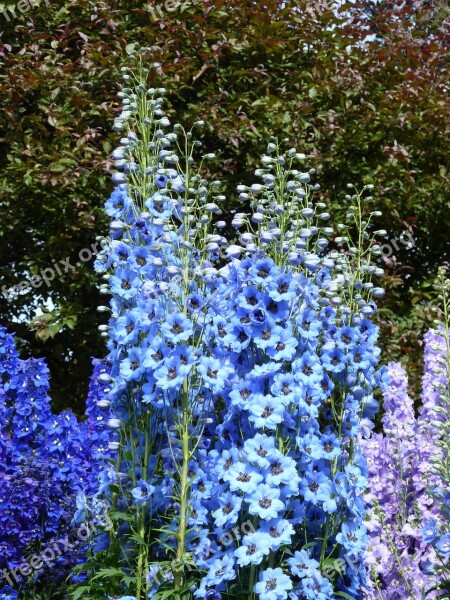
(138, 539)
(107, 572)
(80, 592)
(120, 516)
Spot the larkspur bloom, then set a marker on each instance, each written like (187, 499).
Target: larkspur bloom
(239, 387)
(143, 491)
(47, 464)
(273, 585)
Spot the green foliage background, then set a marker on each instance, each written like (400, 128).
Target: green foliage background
(361, 89)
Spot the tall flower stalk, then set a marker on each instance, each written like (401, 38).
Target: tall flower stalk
(436, 415)
(398, 497)
(241, 374)
(48, 463)
(410, 478)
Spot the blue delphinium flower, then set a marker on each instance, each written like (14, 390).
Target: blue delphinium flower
(430, 531)
(265, 502)
(442, 545)
(277, 533)
(228, 511)
(48, 463)
(273, 585)
(220, 570)
(143, 491)
(253, 549)
(177, 328)
(244, 385)
(212, 595)
(302, 565)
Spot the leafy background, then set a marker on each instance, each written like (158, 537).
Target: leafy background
(361, 88)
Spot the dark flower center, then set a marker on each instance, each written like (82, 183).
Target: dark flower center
(227, 509)
(172, 373)
(274, 532)
(251, 549)
(265, 503)
(157, 357)
(245, 477)
(313, 486)
(259, 316)
(271, 584)
(273, 307)
(276, 468)
(212, 374)
(176, 328)
(267, 412)
(125, 285)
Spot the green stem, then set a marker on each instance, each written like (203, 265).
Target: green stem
(142, 556)
(393, 549)
(251, 583)
(184, 484)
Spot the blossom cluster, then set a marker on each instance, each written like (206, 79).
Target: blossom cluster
(434, 421)
(408, 537)
(284, 455)
(241, 375)
(45, 459)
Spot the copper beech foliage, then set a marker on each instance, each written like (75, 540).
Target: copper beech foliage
(360, 87)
